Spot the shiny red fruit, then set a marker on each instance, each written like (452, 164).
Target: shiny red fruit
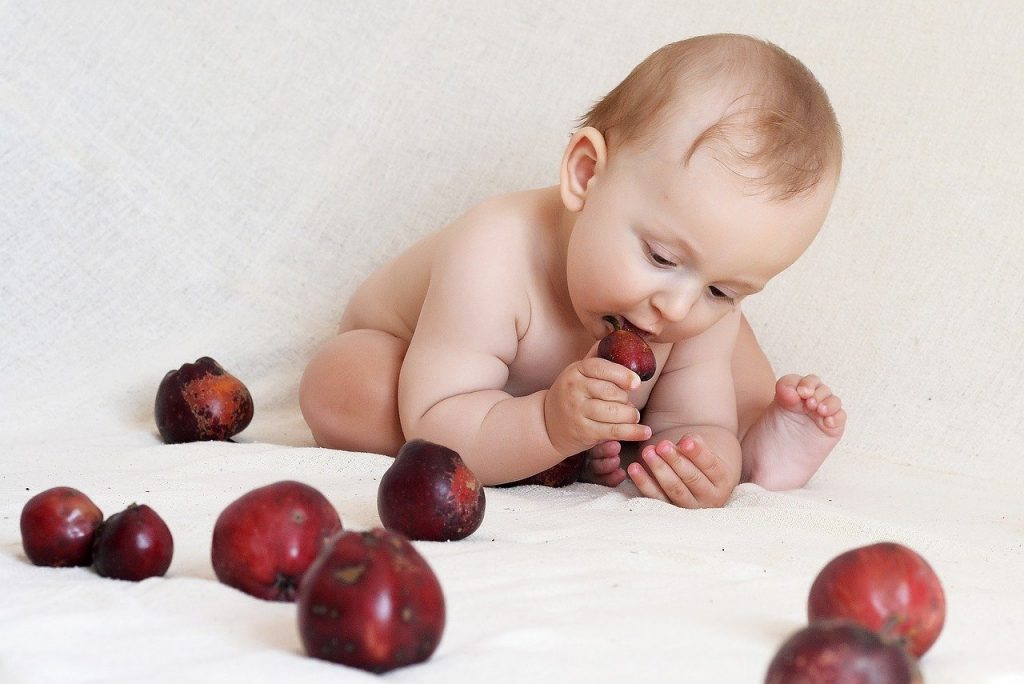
(561, 474)
(628, 349)
(57, 527)
(429, 493)
(265, 541)
(841, 652)
(885, 587)
(371, 601)
(201, 401)
(133, 545)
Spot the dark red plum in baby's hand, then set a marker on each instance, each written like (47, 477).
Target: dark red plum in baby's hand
(561, 474)
(885, 587)
(429, 493)
(628, 349)
(371, 601)
(201, 401)
(133, 545)
(265, 541)
(58, 526)
(841, 652)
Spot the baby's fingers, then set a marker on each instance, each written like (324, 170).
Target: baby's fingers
(622, 432)
(614, 421)
(610, 412)
(687, 474)
(602, 369)
(659, 480)
(604, 466)
(644, 482)
(707, 461)
(606, 390)
(682, 480)
(605, 450)
(612, 479)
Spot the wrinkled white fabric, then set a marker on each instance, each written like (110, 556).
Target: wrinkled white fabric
(180, 180)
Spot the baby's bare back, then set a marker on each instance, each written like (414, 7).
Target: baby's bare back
(390, 299)
(516, 234)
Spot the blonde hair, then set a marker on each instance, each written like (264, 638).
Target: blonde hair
(781, 123)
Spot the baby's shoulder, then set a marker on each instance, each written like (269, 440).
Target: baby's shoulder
(503, 230)
(507, 218)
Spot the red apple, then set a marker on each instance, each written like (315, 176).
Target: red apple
(370, 601)
(841, 652)
(885, 587)
(201, 401)
(265, 540)
(627, 348)
(57, 527)
(133, 545)
(561, 474)
(428, 493)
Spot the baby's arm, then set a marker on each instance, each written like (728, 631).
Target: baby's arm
(452, 379)
(694, 458)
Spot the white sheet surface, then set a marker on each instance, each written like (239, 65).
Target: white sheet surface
(214, 180)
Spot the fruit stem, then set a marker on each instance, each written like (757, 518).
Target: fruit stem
(613, 321)
(890, 627)
(286, 587)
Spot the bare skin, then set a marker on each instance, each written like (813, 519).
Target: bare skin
(482, 336)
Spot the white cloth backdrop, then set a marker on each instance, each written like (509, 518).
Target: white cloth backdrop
(188, 179)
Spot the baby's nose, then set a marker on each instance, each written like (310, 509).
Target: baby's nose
(675, 303)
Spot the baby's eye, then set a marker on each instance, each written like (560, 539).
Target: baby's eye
(718, 294)
(659, 259)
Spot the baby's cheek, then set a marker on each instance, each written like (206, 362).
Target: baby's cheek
(705, 316)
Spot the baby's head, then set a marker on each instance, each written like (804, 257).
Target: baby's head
(762, 112)
(703, 175)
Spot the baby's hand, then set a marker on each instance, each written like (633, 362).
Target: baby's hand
(687, 474)
(589, 403)
(604, 465)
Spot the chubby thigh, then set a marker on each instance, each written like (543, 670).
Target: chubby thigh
(348, 392)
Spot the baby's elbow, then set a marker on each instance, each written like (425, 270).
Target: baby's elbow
(416, 424)
(439, 421)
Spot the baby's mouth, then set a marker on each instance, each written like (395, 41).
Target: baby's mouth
(623, 323)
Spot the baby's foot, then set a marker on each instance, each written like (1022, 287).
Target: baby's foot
(788, 443)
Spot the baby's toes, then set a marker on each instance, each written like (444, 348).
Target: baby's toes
(807, 386)
(835, 423)
(786, 393)
(829, 405)
(821, 393)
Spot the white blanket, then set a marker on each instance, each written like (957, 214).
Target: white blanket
(215, 179)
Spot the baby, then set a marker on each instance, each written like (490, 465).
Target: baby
(707, 172)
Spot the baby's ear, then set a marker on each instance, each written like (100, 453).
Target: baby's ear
(584, 158)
